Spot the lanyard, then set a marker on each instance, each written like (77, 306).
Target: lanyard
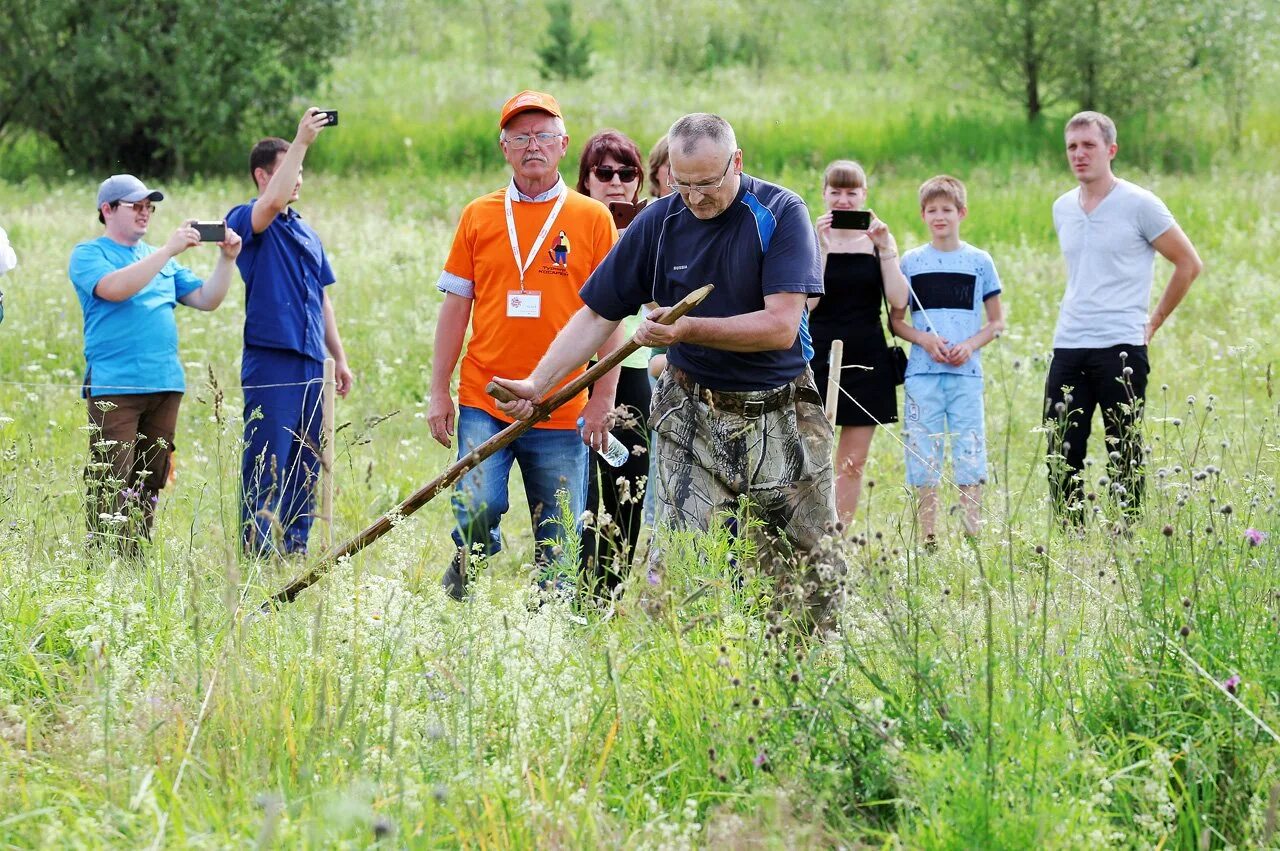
(523, 267)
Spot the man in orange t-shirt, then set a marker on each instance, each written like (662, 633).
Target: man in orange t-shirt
(518, 259)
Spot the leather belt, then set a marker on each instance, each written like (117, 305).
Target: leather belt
(751, 405)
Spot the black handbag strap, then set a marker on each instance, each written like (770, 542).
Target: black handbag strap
(875, 252)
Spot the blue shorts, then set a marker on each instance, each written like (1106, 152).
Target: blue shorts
(937, 405)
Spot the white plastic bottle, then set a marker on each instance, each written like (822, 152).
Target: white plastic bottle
(613, 452)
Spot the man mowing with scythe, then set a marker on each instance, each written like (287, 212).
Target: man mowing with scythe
(736, 412)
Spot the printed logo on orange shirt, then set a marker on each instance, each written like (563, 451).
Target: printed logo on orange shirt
(559, 252)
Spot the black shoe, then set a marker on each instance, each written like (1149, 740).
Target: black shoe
(454, 580)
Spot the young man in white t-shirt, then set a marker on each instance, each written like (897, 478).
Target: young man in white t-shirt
(1109, 230)
(8, 259)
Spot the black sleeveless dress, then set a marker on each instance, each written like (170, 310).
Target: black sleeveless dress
(850, 311)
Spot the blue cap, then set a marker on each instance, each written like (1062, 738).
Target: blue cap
(125, 187)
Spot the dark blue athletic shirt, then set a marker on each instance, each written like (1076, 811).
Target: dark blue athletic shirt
(761, 245)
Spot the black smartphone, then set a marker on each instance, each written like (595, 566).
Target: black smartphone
(625, 213)
(211, 231)
(331, 117)
(850, 219)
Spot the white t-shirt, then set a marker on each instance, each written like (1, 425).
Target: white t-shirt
(1110, 264)
(8, 260)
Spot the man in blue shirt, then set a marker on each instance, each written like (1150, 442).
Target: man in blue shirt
(737, 415)
(133, 381)
(289, 329)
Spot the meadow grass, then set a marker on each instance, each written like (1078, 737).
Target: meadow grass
(1033, 690)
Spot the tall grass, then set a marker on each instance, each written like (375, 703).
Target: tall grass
(995, 697)
(434, 118)
(410, 115)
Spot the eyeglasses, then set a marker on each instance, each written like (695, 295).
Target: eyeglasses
(605, 173)
(702, 188)
(522, 140)
(139, 207)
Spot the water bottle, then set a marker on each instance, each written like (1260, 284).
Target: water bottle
(614, 453)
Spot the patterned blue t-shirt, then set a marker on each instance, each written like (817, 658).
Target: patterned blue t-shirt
(948, 293)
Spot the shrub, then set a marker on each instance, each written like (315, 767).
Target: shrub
(160, 88)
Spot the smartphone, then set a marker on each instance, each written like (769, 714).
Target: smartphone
(211, 231)
(625, 213)
(850, 219)
(331, 116)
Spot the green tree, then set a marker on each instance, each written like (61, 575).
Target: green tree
(1127, 56)
(165, 87)
(566, 55)
(1019, 46)
(1119, 56)
(1237, 42)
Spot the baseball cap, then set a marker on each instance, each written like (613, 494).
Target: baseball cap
(125, 187)
(527, 101)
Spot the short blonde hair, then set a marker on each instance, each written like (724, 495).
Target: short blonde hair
(943, 186)
(1089, 118)
(844, 174)
(659, 156)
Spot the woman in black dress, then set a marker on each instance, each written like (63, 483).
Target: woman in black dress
(610, 169)
(857, 266)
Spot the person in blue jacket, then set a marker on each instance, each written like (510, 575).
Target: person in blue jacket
(289, 330)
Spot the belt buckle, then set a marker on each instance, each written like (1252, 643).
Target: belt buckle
(750, 405)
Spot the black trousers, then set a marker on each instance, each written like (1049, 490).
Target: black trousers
(608, 549)
(1115, 379)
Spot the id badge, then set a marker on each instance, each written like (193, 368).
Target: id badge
(523, 305)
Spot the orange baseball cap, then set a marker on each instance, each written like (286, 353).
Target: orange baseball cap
(527, 101)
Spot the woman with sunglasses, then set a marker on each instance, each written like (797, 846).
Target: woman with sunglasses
(859, 271)
(610, 170)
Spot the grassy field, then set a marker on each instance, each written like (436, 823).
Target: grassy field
(1035, 690)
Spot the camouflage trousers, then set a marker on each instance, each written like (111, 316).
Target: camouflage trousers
(718, 452)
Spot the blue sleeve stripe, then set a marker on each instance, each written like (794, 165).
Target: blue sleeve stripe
(766, 223)
(806, 338)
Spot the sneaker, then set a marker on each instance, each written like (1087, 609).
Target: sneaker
(454, 580)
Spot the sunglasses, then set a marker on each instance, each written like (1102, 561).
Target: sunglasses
(605, 173)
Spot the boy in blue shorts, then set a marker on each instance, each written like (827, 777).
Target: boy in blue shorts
(952, 284)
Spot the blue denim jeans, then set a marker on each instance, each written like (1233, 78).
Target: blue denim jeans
(550, 460)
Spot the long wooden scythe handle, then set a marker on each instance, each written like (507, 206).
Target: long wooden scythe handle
(445, 480)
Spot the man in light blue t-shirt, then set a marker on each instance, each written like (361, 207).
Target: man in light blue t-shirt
(952, 288)
(1110, 231)
(133, 378)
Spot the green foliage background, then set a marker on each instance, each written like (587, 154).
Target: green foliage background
(985, 697)
(160, 88)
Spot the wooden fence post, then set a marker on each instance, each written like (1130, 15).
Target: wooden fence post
(329, 397)
(833, 379)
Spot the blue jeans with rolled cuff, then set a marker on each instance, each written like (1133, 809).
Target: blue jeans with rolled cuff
(550, 460)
